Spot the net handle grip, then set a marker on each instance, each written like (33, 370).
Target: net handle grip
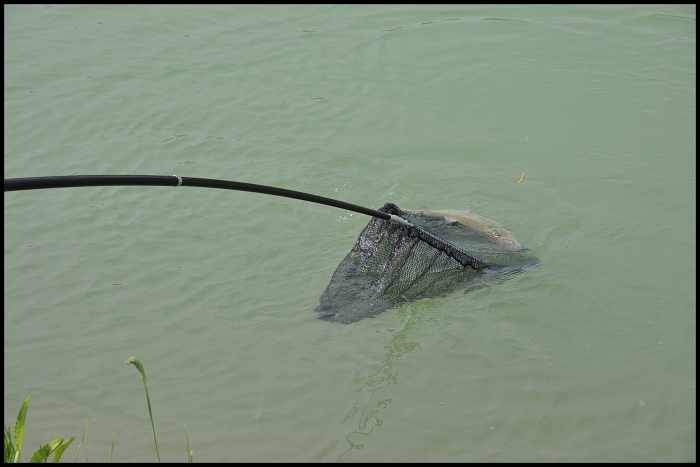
(399, 220)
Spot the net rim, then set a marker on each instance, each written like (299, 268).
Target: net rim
(453, 251)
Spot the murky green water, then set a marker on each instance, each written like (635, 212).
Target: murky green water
(589, 357)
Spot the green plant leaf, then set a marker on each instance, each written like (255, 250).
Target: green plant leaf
(19, 430)
(9, 447)
(59, 450)
(45, 451)
(40, 456)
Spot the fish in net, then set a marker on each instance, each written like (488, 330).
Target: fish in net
(391, 264)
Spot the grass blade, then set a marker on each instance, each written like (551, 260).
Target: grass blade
(190, 454)
(81, 441)
(111, 448)
(135, 361)
(152, 425)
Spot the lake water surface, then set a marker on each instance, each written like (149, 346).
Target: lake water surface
(590, 356)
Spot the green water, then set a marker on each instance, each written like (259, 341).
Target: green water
(589, 357)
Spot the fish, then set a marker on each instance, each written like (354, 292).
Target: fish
(481, 226)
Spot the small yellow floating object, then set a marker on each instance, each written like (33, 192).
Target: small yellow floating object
(522, 177)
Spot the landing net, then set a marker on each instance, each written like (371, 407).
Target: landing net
(391, 264)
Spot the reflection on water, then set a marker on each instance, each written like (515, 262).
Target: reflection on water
(373, 385)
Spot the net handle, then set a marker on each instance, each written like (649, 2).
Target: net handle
(68, 181)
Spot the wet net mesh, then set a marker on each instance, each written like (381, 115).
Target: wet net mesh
(391, 264)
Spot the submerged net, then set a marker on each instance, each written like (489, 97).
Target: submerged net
(391, 264)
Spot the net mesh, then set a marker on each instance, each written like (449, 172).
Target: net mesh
(391, 264)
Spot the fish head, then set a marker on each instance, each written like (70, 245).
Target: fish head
(510, 244)
(507, 241)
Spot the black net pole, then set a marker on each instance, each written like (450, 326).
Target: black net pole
(67, 181)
